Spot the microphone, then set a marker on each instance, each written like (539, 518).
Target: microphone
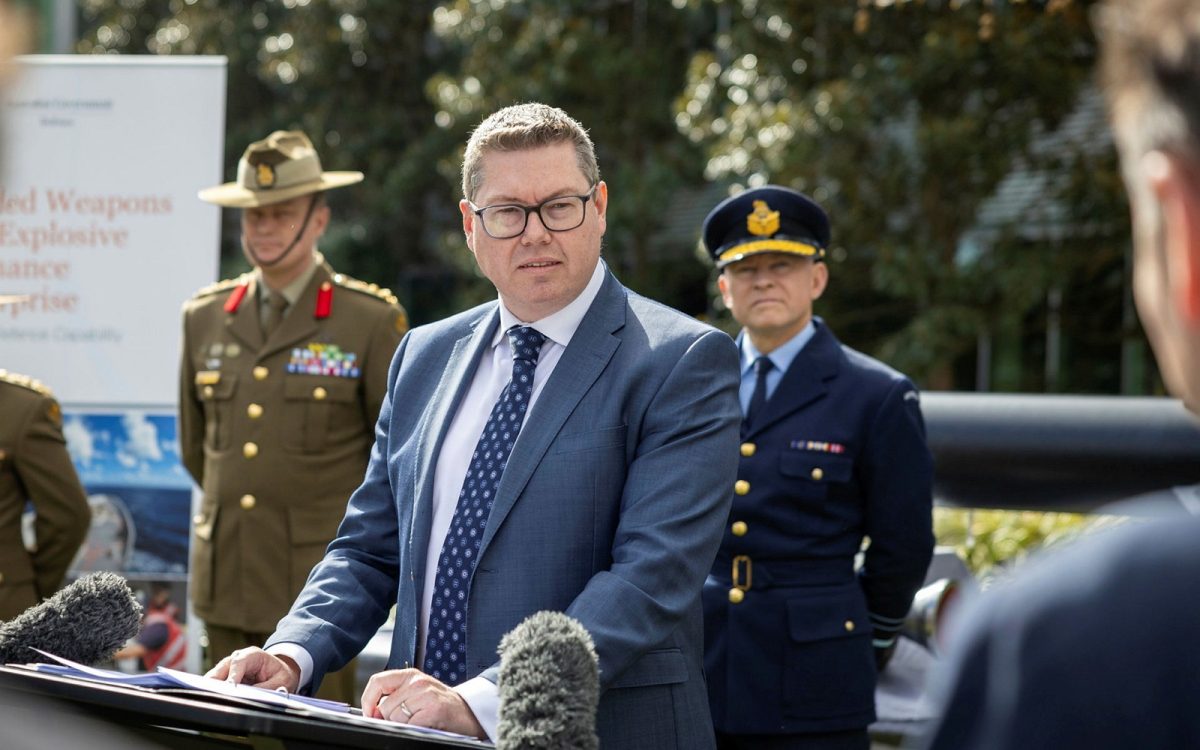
(549, 685)
(85, 622)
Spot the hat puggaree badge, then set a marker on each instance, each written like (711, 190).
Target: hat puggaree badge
(264, 174)
(762, 221)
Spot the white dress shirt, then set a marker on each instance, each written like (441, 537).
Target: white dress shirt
(493, 373)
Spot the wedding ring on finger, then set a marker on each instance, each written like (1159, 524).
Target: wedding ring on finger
(407, 714)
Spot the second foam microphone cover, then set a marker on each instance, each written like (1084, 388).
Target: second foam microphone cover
(549, 685)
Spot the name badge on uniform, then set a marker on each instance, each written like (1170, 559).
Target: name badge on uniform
(208, 377)
(323, 359)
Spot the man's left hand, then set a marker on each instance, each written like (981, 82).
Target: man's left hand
(410, 696)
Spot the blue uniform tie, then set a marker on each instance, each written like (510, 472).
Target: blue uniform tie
(762, 366)
(446, 641)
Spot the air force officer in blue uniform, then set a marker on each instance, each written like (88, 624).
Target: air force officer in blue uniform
(833, 451)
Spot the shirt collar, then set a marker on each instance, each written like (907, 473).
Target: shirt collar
(559, 327)
(782, 357)
(295, 287)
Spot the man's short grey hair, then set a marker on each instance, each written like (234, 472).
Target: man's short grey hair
(522, 127)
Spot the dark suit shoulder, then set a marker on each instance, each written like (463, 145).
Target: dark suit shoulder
(456, 325)
(871, 368)
(662, 321)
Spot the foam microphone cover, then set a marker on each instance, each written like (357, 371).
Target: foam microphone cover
(85, 622)
(549, 685)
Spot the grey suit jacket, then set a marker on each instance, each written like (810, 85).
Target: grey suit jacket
(610, 509)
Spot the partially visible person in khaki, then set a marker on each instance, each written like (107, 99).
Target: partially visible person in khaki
(35, 468)
(284, 370)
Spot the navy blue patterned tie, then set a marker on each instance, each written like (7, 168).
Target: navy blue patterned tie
(446, 641)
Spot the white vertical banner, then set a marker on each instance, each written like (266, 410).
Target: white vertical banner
(103, 238)
(100, 226)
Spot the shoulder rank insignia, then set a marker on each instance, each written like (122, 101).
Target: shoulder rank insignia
(25, 382)
(762, 221)
(374, 290)
(221, 286)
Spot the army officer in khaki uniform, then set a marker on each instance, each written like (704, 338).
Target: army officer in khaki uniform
(283, 374)
(35, 468)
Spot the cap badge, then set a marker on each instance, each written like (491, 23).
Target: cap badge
(265, 175)
(762, 222)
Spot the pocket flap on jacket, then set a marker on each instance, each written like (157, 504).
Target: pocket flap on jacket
(305, 388)
(591, 439)
(840, 613)
(815, 466)
(219, 390)
(662, 667)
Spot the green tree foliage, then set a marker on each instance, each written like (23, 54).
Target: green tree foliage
(615, 65)
(903, 118)
(352, 74)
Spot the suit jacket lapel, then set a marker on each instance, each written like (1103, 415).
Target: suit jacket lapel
(299, 323)
(581, 363)
(452, 387)
(804, 381)
(243, 323)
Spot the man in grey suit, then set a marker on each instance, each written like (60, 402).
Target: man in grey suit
(594, 480)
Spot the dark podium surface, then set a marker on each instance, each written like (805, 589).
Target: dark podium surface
(37, 709)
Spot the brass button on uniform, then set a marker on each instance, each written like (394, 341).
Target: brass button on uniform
(736, 596)
(818, 474)
(739, 528)
(748, 449)
(261, 373)
(250, 450)
(320, 393)
(741, 487)
(849, 626)
(248, 502)
(254, 411)
(197, 519)
(208, 391)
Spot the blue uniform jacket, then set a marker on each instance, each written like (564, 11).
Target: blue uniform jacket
(839, 454)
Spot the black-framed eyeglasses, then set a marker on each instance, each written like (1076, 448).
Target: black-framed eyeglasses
(562, 213)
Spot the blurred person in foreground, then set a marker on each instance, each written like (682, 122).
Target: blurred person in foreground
(35, 469)
(568, 447)
(283, 372)
(833, 450)
(1094, 647)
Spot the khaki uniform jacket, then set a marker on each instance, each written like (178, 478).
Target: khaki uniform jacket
(277, 434)
(35, 467)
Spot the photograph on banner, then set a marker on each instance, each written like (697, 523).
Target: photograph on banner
(140, 498)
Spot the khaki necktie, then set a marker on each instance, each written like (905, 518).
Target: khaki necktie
(276, 305)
